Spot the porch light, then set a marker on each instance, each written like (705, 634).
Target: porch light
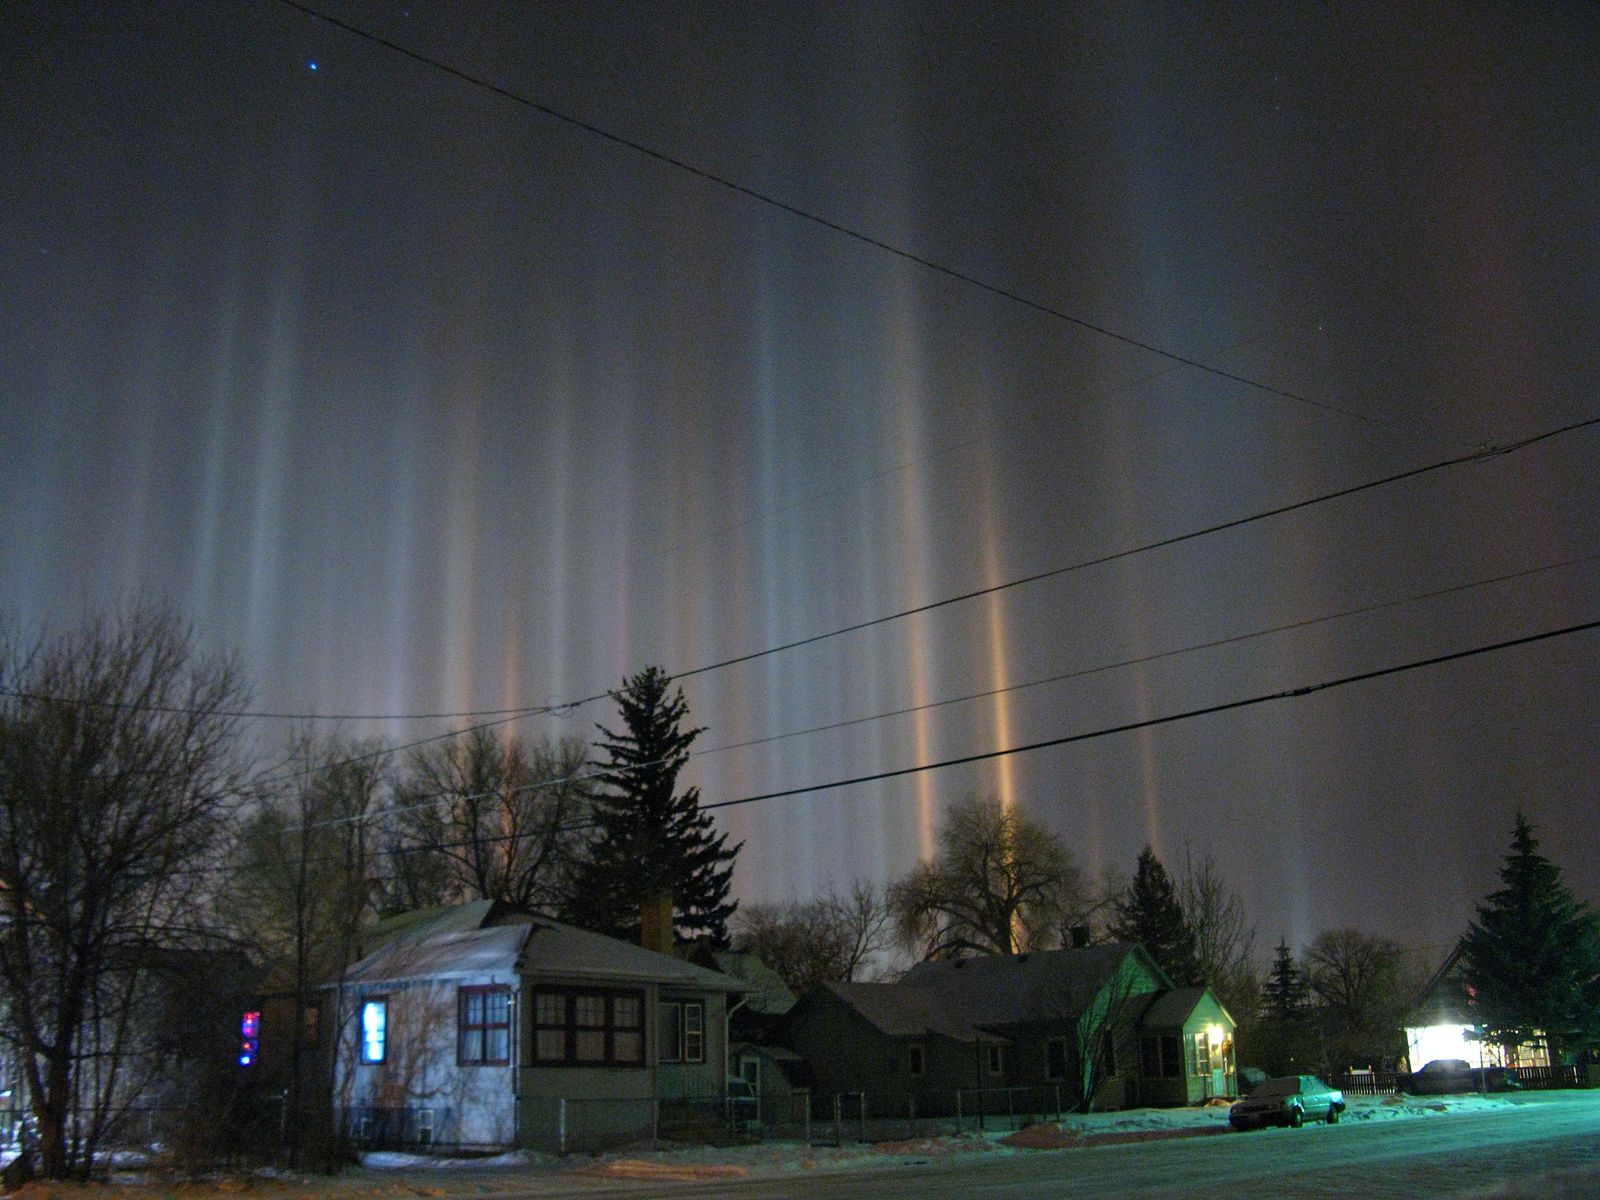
(1216, 1034)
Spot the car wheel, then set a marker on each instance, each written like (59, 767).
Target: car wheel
(1297, 1117)
(1333, 1114)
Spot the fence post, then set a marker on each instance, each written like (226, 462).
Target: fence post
(863, 1096)
(561, 1126)
(655, 1118)
(838, 1119)
(1058, 1104)
(1011, 1108)
(958, 1112)
(911, 1102)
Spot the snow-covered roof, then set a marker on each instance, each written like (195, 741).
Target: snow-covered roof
(554, 949)
(1170, 1010)
(481, 938)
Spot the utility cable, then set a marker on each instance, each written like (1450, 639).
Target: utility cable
(838, 227)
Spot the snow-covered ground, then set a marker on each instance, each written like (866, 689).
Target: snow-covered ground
(775, 1158)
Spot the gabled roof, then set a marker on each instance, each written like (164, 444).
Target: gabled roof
(484, 938)
(769, 994)
(1172, 1009)
(1013, 989)
(1444, 999)
(905, 1010)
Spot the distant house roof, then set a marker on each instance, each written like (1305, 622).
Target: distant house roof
(978, 999)
(1445, 999)
(482, 937)
(905, 1010)
(1172, 1009)
(1012, 989)
(769, 994)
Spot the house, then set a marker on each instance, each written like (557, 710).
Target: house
(1035, 1029)
(1441, 1024)
(476, 1025)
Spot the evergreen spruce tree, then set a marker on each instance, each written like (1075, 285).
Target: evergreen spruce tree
(1150, 913)
(651, 839)
(1532, 955)
(1286, 992)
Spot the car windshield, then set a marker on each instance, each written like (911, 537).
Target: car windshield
(1279, 1087)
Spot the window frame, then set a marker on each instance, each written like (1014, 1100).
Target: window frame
(570, 1028)
(996, 1058)
(485, 1027)
(1202, 1052)
(916, 1060)
(364, 1038)
(688, 1029)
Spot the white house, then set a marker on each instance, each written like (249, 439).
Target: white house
(477, 1026)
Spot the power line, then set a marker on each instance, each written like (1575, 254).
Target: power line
(838, 227)
(1064, 740)
(1156, 656)
(1483, 455)
(1151, 722)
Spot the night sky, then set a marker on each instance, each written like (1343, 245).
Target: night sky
(425, 401)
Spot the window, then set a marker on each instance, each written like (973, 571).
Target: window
(1055, 1058)
(588, 1028)
(916, 1061)
(483, 1026)
(1202, 1053)
(308, 1025)
(374, 1030)
(424, 1126)
(681, 1031)
(1161, 1057)
(997, 1059)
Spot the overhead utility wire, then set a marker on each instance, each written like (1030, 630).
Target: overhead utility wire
(1161, 543)
(605, 773)
(508, 715)
(828, 223)
(1169, 718)
(1065, 740)
(1142, 659)
(1234, 523)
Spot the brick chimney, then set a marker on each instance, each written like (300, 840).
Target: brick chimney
(655, 923)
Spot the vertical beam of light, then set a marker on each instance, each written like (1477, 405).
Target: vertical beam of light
(905, 386)
(779, 609)
(998, 636)
(464, 443)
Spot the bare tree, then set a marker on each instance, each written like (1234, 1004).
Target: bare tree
(1224, 939)
(1361, 981)
(1001, 882)
(830, 939)
(303, 883)
(487, 817)
(117, 767)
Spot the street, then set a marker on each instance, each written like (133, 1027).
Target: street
(1448, 1155)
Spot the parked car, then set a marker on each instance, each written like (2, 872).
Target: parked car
(1290, 1100)
(1444, 1075)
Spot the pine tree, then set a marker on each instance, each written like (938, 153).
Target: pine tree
(650, 839)
(1286, 992)
(1150, 913)
(1532, 955)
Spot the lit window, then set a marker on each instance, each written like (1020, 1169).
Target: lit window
(374, 1030)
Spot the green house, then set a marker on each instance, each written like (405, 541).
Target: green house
(1037, 1030)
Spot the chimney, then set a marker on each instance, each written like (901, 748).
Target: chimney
(655, 922)
(1080, 937)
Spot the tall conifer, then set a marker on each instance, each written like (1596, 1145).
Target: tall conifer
(651, 839)
(1151, 914)
(1532, 957)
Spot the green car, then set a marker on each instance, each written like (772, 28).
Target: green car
(1290, 1100)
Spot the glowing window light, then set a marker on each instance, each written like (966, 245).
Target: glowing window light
(374, 1028)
